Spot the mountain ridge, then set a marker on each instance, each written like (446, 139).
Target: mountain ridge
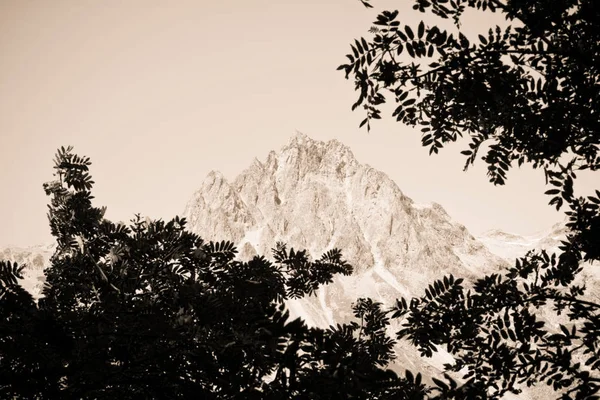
(315, 195)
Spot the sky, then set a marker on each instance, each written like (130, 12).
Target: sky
(159, 93)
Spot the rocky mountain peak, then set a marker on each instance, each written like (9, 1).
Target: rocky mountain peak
(315, 195)
(305, 155)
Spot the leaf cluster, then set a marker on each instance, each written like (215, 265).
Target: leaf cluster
(527, 92)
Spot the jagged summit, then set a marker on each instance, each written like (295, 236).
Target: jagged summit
(314, 194)
(300, 137)
(307, 155)
(303, 140)
(215, 176)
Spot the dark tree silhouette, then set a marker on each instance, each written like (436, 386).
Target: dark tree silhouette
(528, 92)
(152, 311)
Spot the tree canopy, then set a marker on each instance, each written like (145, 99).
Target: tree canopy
(524, 93)
(150, 310)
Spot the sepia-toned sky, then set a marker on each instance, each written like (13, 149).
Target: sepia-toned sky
(158, 93)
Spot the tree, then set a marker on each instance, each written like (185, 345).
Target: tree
(528, 92)
(150, 310)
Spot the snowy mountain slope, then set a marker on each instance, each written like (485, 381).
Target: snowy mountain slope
(511, 246)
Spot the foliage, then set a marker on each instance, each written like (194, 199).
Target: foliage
(528, 92)
(150, 310)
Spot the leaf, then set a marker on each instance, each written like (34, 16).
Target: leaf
(410, 49)
(359, 46)
(440, 384)
(430, 51)
(399, 49)
(364, 43)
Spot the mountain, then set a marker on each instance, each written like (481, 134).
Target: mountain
(511, 246)
(315, 195)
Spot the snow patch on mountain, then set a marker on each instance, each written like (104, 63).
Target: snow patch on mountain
(511, 246)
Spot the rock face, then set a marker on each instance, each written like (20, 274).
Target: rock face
(315, 195)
